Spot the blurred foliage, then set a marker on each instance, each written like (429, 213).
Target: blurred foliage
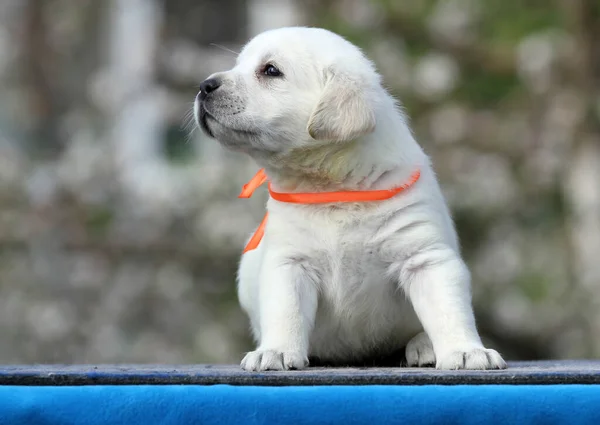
(176, 146)
(120, 232)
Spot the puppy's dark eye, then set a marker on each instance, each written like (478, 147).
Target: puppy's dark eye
(271, 71)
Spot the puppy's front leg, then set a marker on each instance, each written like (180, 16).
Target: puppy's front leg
(288, 305)
(438, 284)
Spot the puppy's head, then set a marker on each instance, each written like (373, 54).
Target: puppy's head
(291, 88)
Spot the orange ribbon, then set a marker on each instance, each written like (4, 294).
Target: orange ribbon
(315, 198)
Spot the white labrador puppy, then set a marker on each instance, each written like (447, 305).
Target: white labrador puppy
(340, 282)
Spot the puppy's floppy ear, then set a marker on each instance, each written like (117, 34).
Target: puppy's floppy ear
(343, 112)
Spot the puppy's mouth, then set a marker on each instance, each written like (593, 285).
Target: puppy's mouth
(202, 118)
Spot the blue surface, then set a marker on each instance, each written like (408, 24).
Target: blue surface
(298, 405)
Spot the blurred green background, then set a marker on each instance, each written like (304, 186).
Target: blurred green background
(120, 232)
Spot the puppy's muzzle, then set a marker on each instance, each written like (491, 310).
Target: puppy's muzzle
(206, 87)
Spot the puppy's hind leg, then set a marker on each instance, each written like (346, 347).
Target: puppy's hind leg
(419, 351)
(286, 314)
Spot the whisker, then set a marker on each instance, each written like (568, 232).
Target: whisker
(188, 125)
(225, 48)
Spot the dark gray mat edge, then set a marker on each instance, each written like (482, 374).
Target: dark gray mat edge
(518, 373)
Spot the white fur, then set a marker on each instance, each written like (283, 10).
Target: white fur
(342, 281)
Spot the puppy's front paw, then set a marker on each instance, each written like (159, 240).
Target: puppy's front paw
(419, 351)
(261, 360)
(472, 358)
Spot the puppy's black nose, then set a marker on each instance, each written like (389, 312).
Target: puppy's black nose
(208, 86)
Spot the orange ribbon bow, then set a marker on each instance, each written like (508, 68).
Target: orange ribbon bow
(315, 198)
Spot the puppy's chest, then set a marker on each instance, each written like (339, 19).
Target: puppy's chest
(347, 250)
(346, 259)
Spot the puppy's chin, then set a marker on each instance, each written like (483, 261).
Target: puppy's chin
(232, 139)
